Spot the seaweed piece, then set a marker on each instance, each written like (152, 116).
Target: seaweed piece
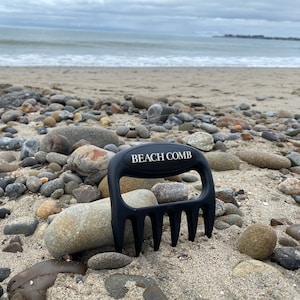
(33, 282)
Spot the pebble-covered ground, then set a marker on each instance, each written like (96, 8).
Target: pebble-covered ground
(55, 227)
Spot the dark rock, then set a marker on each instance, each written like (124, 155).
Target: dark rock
(4, 213)
(28, 162)
(15, 190)
(49, 187)
(85, 194)
(4, 273)
(287, 257)
(23, 225)
(13, 247)
(269, 135)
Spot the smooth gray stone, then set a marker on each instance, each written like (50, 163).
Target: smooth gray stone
(86, 226)
(22, 225)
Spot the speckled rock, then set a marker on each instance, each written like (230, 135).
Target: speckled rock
(290, 186)
(109, 260)
(264, 159)
(258, 241)
(287, 257)
(222, 161)
(200, 140)
(170, 192)
(89, 159)
(88, 225)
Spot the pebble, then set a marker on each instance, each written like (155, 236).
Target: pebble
(29, 147)
(258, 241)
(170, 192)
(4, 212)
(209, 128)
(264, 159)
(225, 222)
(109, 260)
(49, 187)
(22, 225)
(10, 143)
(85, 194)
(231, 209)
(4, 273)
(200, 140)
(122, 130)
(49, 122)
(290, 186)
(11, 115)
(48, 208)
(5, 168)
(33, 183)
(222, 161)
(15, 190)
(88, 225)
(89, 159)
(157, 113)
(220, 208)
(115, 284)
(294, 231)
(142, 131)
(53, 157)
(287, 257)
(294, 157)
(13, 247)
(286, 241)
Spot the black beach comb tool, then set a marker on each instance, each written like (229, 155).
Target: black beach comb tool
(159, 160)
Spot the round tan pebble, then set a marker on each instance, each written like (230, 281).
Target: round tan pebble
(47, 208)
(258, 241)
(49, 121)
(105, 121)
(56, 115)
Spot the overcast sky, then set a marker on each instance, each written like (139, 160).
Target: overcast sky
(210, 17)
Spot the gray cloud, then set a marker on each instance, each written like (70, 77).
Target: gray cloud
(192, 16)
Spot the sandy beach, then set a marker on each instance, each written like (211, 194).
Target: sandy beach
(208, 270)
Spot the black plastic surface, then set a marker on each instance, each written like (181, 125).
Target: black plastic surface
(159, 160)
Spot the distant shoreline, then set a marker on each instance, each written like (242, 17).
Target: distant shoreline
(261, 37)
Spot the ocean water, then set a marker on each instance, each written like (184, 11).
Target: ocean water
(48, 47)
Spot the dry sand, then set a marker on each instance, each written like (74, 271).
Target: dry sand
(207, 273)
